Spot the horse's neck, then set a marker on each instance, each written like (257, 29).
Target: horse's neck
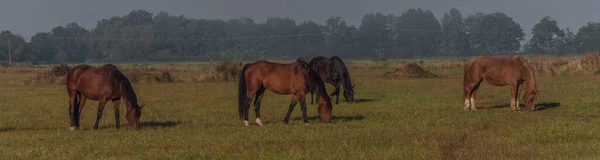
(128, 93)
(529, 77)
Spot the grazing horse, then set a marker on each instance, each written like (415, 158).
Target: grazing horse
(101, 84)
(513, 70)
(333, 70)
(293, 78)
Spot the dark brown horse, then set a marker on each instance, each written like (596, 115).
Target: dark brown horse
(101, 84)
(293, 78)
(513, 70)
(333, 70)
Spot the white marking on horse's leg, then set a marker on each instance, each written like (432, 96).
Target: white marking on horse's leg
(473, 104)
(72, 128)
(512, 103)
(517, 103)
(246, 123)
(467, 104)
(306, 124)
(259, 122)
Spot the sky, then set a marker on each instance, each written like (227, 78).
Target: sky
(27, 17)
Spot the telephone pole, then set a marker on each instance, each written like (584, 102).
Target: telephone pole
(9, 54)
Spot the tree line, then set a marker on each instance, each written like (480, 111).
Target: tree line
(143, 36)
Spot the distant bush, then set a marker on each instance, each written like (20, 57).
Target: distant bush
(588, 64)
(56, 75)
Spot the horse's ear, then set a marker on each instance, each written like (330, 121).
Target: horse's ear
(142, 106)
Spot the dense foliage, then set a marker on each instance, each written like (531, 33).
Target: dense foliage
(144, 36)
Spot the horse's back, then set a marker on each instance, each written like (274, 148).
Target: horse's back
(278, 77)
(496, 70)
(93, 81)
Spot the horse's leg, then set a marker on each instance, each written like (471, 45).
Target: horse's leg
(312, 97)
(303, 108)
(259, 95)
(515, 97)
(116, 104)
(81, 101)
(101, 104)
(73, 110)
(251, 93)
(473, 100)
(313, 88)
(467, 95)
(292, 105)
(473, 93)
(336, 92)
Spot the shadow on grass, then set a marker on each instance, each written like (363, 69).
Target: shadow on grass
(159, 124)
(334, 118)
(538, 107)
(544, 106)
(146, 124)
(361, 100)
(6, 129)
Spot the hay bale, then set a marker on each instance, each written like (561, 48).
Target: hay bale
(411, 70)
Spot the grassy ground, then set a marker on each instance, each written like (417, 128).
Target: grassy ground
(394, 119)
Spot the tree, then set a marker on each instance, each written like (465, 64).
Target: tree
(42, 47)
(455, 38)
(68, 44)
(493, 34)
(18, 47)
(588, 37)
(313, 42)
(339, 37)
(546, 36)
(375, 38)
(566, 44)
(417, 32)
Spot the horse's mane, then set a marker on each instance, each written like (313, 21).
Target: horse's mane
(320, 84)
(303, 63)
(527, 73)
(338, 69)
(126, 89)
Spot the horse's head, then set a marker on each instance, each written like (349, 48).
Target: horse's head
(133, 116)
(325, 108)
(529, 98)
(349, 94)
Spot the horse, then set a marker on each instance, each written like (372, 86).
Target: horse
(293, 78)
(101, 84)
(513, 70)
(334, 71)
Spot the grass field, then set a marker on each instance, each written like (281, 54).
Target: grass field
(394, 119)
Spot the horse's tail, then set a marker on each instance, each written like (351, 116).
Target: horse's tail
(242, 91)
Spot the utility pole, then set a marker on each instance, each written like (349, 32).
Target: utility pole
(9, 54)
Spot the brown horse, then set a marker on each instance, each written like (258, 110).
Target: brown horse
(293, 78)
(513, 70)
(101, 84)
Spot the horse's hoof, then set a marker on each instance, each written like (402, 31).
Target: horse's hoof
(246, 123)
(306, 124)
(72, 128)
(259, 122)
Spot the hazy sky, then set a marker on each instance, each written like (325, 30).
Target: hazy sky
(26, 17)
